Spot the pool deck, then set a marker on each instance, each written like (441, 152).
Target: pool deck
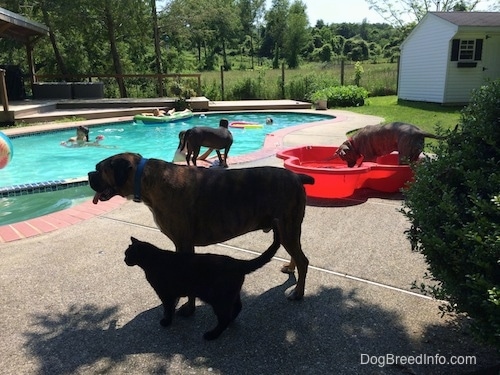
(33, 111)
(327, 133)
(71, 306)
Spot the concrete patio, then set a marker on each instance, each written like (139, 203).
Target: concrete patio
(70, 305)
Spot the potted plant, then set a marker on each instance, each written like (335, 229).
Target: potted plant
(320, 99)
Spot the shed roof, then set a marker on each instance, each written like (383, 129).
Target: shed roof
(487, 19)
(15, 26)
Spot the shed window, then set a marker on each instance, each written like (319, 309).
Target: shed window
(466, 50)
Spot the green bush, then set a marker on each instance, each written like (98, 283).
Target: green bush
(303, 86)
(341, 96)
(454, 209)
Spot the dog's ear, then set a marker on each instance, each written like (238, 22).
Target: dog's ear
(121, 169)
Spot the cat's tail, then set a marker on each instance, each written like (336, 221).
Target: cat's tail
(249, 266)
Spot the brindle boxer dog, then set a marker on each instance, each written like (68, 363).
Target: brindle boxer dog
(377, 140)
(200, 206)
(215, 138)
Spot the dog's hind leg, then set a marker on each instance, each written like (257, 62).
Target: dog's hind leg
(196, 152)
(224, 313)
(188, 154)
(299, 259)
(226, 152)
(237, 306)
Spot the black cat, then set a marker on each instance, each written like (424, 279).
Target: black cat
(215, 279)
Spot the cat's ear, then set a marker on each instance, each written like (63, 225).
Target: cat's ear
(134, 240)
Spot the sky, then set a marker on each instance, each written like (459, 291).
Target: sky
(351, 11)
(338, 11)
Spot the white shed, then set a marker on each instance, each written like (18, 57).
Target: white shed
(447, 55)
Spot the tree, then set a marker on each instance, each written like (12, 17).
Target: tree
(404, 11)
(183, 25)
(44, 7)
(275, 28)
(224, 20)
(338, 43)
(356, 49)
(325, 53)
(296, 35)
(250, 12)
(156, 36)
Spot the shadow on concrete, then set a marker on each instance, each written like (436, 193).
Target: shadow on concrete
(360, 196)
(325, 333)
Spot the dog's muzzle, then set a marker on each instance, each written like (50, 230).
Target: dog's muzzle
(103, 193)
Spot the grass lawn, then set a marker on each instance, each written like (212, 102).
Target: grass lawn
(425, 115)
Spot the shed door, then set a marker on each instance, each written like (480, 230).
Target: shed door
(491, 57)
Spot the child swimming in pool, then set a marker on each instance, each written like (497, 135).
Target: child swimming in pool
(82, 139)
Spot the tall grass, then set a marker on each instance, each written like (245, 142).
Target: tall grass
(378, 79)
(263, 82)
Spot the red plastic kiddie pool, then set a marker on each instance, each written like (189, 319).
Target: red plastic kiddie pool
(333, 179)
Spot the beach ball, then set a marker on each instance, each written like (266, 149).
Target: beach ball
(6, 150)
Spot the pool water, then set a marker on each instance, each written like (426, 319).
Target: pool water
(24, 207)
(41, 157)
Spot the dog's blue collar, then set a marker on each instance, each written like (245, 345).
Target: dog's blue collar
(137, 180)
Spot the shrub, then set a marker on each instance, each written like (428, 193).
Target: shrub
(302, 87)
(211, 90)
(247, 88)
(341, 96)
(454, 209)
(358, 72)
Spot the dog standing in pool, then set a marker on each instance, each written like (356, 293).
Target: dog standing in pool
(378, 140)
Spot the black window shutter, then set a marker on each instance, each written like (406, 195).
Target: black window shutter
(479, 50)
(455, 46)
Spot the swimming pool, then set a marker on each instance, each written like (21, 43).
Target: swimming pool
(23, 207)
(41, 159)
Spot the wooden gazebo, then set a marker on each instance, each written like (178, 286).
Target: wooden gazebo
(19, 28)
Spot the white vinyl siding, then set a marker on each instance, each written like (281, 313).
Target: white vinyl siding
(424, 60)
(443, 63)
(461, 81)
